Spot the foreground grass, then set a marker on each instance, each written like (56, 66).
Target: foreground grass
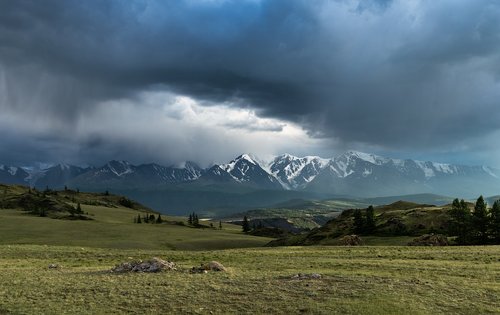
(357, 280)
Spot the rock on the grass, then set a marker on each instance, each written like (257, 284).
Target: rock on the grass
(210, 266)
(430, 240)
(351, 240)
(305, 276)
(53, 266)
(153, 265)
(215, 266)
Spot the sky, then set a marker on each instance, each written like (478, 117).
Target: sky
(85, 82)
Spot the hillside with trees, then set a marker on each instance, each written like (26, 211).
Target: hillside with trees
(461, 222)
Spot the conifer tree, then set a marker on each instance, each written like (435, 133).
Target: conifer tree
(480, 221)
(246, 225)
(220, 225)
(195, 219)
(359, 222)
(370, 220)
(78, 208)
(190, 219)
(460, 224)
(159, 219)
(139, 218)
(495, 222)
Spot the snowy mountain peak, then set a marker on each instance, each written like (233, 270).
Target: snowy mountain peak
(367, 157)
(239, 164)
(247, 157)
(245, 169)
(12, 170)
(12, 174)
(285, 156)
(294, 172)
(119, 168)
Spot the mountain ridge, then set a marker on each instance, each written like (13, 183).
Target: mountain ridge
(351, 173)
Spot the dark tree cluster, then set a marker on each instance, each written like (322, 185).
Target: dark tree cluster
(126, 202)
(193, 219)
(364, 224)
(148, 218)
(479, 227)
(246, 225)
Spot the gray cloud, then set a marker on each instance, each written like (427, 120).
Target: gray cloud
(394, 75)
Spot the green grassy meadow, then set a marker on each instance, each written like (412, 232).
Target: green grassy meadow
(354, 280)
(114, 228)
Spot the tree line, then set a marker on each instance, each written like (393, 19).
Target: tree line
(477, 227)
(148, 218)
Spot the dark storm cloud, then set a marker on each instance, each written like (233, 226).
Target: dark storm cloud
(390, 74)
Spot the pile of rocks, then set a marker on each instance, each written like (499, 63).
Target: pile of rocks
(305, 276)
(153, 265)
(430, 240)
(351, 240)
(206, 267)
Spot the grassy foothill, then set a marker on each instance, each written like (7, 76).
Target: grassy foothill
(114, 228)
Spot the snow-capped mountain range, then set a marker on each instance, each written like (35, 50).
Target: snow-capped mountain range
(352, 173)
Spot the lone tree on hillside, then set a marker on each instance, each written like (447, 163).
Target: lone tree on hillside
(480, 221)
(246, 225)
(359, 222)
(139, 218)
(159, 219)
(370, 220)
